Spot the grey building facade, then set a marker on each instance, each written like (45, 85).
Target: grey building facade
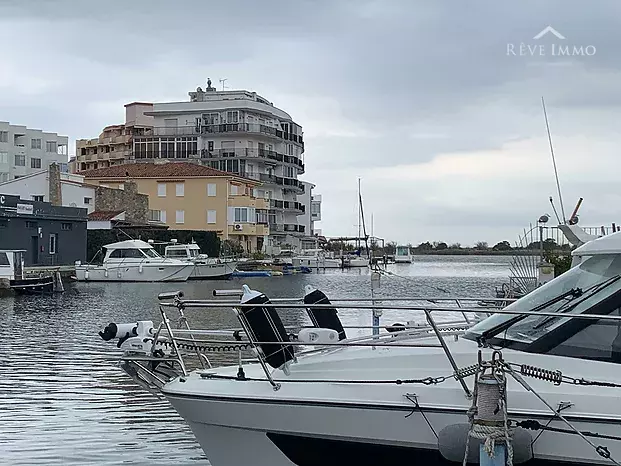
(50, 235)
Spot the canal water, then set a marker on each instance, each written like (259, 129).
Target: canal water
(63, 401)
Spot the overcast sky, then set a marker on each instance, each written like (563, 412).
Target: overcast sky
(435, 104)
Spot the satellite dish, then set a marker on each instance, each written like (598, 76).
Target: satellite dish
(73, 204)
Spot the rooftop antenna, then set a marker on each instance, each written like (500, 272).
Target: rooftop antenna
(558, 184)
(222, 81)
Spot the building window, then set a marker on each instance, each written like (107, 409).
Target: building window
(4, 177)
(210, 118)
(211, 216)
(241, 214)
(20, 160)
(4, 136)
(35, 143)
(53, 243)
(62, 149)
(37, 198)
(210, 146)
(157, 216)
(232, 116)
(161, 190)
(234, 190)
(51, 146)
(31, 225)
(180, 189)
(66, 226)
(211, 190)
(289, 172)
(87, 200)
(4, 158)
(180, 216)
(35, 163)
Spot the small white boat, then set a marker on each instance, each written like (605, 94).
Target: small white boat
(205, 267)
(316, 258)
(134, 261)
(356, 261)
(403, 255)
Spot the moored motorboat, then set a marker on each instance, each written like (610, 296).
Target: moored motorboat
(403, 396)
(134, 261)
(205, 267)
(13, 277)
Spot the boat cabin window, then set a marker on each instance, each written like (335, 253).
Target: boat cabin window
(133, 254)
(177, 253)
(150, 253)
(593, 287)
(4, 259)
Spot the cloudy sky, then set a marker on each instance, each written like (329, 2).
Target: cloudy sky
(435, 105)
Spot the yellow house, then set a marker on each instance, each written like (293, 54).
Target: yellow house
(189, 196)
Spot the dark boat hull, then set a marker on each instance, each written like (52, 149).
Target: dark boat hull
(37, 285)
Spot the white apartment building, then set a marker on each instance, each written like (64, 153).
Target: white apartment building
(24, 151)
(239, 132)
(312, 212)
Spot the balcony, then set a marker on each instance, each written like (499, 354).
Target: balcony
(288, 206)
(250, 229)
(247, 201)
(253, 153)
(276, 228)
(291, 184)
(225, 128)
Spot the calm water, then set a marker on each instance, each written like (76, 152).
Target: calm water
(62, 400)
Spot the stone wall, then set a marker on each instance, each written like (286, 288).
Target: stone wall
(135, 205)
(55, 189)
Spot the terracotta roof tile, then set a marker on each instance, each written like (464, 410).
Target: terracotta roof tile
(155, 170)
(103, 215)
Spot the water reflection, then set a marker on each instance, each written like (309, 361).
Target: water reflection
(63, 401)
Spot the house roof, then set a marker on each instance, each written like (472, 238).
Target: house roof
(158, 170)
(103, 215)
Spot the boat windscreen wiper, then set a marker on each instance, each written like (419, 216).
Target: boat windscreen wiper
(586, 294)
(489, 333)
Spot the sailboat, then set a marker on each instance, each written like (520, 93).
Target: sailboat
(360, 259)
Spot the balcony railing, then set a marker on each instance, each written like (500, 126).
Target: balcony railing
(227, 153)
(287, 205)
(225, 128)
(287, 183)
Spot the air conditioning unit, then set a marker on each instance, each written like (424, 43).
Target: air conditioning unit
(238, 227)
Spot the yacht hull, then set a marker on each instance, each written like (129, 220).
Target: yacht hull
(134, 273)
(213, 271)
(278, 434)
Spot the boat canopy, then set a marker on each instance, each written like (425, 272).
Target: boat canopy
(129, 244)
(609, 244)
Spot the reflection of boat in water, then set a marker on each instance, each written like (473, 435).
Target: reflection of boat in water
(12, 276)
(205, 267)
(545, 371)
(134, 261)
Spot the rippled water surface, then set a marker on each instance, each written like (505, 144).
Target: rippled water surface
(63, 401)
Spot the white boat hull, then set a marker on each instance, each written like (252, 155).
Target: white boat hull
(365, 424)
(220, 271)
(357, 262)
(403, 259)
(148, 272)
(318, 263)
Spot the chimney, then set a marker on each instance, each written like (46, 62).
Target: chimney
(55, 189)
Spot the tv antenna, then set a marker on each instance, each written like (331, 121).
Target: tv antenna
(222, 81)
(558, 184)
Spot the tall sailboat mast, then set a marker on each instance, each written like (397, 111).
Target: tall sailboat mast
(359, 215)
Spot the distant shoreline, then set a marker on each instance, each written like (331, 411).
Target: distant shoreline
(485, 252)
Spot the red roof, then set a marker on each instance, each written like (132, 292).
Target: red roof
(103, 215)
(156, 170)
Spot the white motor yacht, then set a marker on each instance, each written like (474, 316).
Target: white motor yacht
(205, 267)
(316, 259)
(404, 397)
(403, 255)
(134, 261)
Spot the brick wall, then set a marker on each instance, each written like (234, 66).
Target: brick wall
(135, 205)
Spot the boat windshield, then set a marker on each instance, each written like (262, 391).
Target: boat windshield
(194, 252)
(150, 253)
(401, 251)
(176, 253)
(576, 291)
